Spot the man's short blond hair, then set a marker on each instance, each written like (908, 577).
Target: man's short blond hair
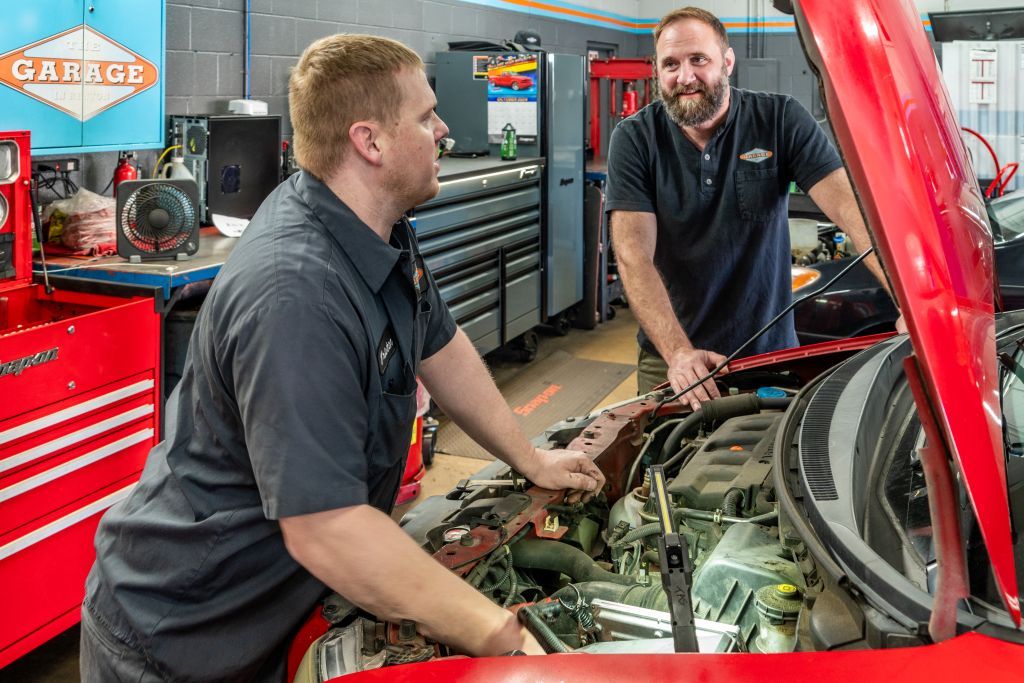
(339, 80)
(698, 14)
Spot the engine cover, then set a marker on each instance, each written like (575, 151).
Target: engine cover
(736, 455)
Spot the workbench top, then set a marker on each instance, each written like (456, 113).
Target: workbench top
(166, 274)
(454, 168)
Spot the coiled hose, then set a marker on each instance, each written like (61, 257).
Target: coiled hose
(648, 597)
(731, 503)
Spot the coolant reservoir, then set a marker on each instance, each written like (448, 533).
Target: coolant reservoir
(778, 607)
(628, 509)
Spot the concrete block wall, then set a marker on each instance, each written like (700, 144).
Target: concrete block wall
(205, 59)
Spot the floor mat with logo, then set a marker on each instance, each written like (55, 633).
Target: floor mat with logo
(544, 392)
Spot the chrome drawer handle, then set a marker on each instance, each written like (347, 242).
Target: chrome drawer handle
(59, 525)
(74, 411)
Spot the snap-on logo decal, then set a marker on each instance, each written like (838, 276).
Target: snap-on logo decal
(81, 72)
(19, 365)
(756, 155)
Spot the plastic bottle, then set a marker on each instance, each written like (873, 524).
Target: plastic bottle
(509, 149)
(176, 169)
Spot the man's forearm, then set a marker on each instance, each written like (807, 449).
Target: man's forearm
(363, 555)
(459, 382)
(648, 299)
(834, 195)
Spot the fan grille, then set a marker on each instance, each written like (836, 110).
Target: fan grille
(141, 218)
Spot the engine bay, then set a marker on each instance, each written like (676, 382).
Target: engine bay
(746, 493)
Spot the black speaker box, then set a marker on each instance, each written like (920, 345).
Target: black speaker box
(236, 160)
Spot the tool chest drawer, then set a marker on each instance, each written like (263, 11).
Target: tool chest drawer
(481, 232)
(53, 457)
(42, 573)
(58, 346)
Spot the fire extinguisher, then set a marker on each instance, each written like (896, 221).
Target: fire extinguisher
(126, 169)
(630, 100)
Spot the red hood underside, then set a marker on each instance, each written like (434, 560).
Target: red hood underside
(900, 137)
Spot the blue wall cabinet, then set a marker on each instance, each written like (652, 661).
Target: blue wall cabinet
(83, 75)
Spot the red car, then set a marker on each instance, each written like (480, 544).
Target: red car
(508, 79)
(846, 515)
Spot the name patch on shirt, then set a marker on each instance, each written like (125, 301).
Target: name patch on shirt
(385, 349)
(757, 155)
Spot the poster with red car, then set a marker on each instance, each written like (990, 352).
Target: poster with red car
(512, 84)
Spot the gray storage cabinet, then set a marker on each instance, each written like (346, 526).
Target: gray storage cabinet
(480, 237)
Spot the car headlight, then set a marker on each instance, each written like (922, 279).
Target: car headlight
(804, 277)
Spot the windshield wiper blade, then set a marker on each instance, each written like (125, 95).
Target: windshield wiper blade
(1011, 364)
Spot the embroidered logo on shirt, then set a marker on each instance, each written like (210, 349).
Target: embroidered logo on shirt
(756, 155)
(419, 280)
(385, 349)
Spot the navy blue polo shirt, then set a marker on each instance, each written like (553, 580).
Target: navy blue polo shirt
(723, 235)
(298, 396)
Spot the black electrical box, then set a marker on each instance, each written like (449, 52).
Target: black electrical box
(236, 160)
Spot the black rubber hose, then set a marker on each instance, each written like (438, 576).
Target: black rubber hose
(717, 410)
(687, 426)
(541, 631)
(731, 503)
(648, 597)
(565, 559)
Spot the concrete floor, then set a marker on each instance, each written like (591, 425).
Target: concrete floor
(614, 341)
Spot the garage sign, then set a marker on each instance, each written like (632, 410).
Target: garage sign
(80, 72)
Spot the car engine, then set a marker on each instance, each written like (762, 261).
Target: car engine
(741, 477)
(585, 577)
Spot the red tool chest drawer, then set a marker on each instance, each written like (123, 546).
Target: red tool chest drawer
(79, 412)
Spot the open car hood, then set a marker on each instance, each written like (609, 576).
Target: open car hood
(900, 137)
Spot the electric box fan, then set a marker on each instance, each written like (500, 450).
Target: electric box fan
(157, 219)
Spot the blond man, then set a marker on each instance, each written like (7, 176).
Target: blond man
(287, 436)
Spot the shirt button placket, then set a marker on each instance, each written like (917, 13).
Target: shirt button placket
(709, 171)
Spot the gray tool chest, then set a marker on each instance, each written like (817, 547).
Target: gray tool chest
(480, 237)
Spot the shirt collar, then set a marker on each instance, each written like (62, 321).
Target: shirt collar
(730, 115)
(373, 257)
(734, 105)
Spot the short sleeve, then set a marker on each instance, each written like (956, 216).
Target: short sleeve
(630, 185)
(441, 328)
(299, 384)
(810, 155)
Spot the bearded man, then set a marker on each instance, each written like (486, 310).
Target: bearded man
(698, 191)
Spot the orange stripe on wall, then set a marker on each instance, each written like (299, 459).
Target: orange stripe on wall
(571, 12)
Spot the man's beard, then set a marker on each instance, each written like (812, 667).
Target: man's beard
(695, 112)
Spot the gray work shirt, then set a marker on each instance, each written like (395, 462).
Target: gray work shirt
(723, 235)
(298, 396)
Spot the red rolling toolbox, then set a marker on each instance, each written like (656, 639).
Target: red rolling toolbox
(79, 411)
